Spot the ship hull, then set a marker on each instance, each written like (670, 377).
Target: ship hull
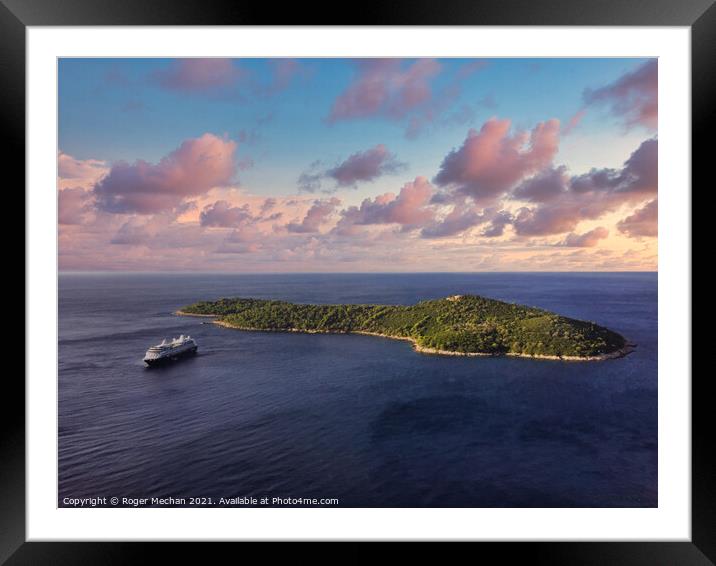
(164, 360)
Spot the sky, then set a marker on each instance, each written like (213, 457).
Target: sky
(357, 165)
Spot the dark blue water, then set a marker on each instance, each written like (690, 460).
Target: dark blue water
(362, 419)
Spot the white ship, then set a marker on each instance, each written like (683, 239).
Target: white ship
(170, 350)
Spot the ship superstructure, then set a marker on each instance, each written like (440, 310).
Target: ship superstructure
(170, 350)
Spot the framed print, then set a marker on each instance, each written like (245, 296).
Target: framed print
(401, 278)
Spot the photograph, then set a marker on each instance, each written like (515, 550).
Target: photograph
(369, 282)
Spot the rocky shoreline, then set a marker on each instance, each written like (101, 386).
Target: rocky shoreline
(182, 313)
(430, 351)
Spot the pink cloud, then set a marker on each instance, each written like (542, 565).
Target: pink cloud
(644, 222)
(573, 122)
(547, 185)
(132, 233)
(315, 217)
(589, 196)
(284, 71)
(596, 180)
(73, 205)
(640, 173)
(198, 75)
(565, 214)
(70, 168)
(385, 87)
(365, 165)
(497, 225)
(161, 232)
(268, 205)
(226, 78)
(443, 103)
(194, 168)
(222, 215)
(460, 218)
(408, 209)
(238, 248)
(182, 212)
(83, 173)
(586, 240)
(491, 161)
(401, 90)
(632, 97)
(546, 220)
(244, 234)
(641, 170)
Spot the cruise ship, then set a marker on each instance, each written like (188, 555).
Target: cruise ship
(170, 350)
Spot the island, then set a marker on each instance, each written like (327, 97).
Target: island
(460, 325)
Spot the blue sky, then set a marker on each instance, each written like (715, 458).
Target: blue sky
(110, 109)
(114, 110)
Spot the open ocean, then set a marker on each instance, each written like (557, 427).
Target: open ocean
(362, 419)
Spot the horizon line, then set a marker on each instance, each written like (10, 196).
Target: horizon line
(174, 272)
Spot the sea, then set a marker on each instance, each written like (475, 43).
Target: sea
(289, 419)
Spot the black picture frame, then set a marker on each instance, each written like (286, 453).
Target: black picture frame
(16, 15)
